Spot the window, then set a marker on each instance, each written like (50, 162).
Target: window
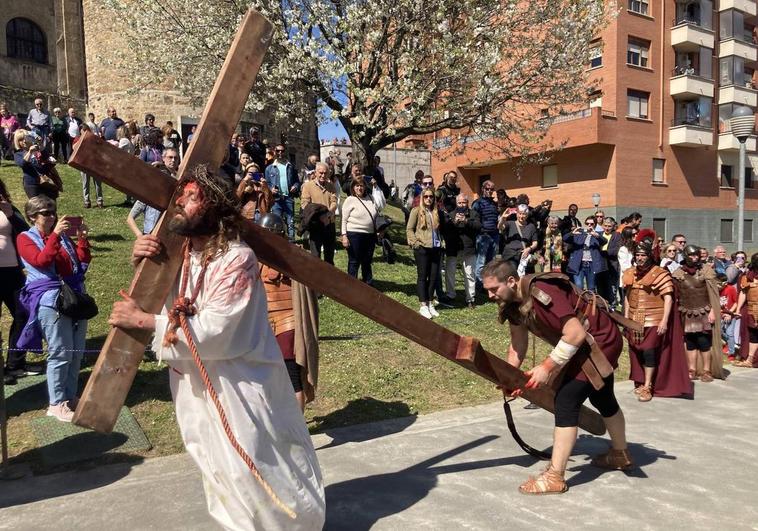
(638, 102)
(596, 55)
(699, 13)
(550, 176)
(727, 230)
(726, 176)
(693, 111)
(748, 230)
(697, 63)
(596, 99)
(25, 40)
(732, 71)
(732, 26)
(659, 226)
(637, 52)
(658, 165)
(748, 177)
(639, 6)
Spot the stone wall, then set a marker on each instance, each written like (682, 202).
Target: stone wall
(399, 165)
(60, 82)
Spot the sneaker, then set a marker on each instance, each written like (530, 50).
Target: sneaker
(61, 412)
(433, 311)
(424, 310)
(87, 205)
(34, 369)
(29, 370)
(9, 380)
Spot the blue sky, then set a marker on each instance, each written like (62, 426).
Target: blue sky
(331, 129)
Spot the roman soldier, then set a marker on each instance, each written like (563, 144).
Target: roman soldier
(699, 308)
(747, 309)
(293, 316)
(587, 345)
(656, 354)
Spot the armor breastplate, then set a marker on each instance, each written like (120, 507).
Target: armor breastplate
(281, 314)
(646, 304)
(751, 296)
(693, 293)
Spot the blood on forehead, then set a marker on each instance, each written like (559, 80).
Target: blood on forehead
(192, 189)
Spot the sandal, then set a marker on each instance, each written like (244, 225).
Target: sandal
(645, 393)
(693, 376)
(706, 377)
(548, 482)
(614, 460)
(743, 363)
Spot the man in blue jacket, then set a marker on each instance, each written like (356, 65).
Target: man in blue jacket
(283, 182)
(489, 237)
(585, 261)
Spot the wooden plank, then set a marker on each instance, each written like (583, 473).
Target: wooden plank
(305, 268)
(122, 352)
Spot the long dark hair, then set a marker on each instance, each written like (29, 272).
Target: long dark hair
(4, 192)
(627, 238)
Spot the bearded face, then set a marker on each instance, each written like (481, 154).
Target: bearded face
(642, 260)
(192, 217)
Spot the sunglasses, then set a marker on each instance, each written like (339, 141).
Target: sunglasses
(427, 183)
(680, 241)
(46, 213)
(428, 197)
(489, 188)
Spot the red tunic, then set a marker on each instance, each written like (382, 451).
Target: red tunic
(553, 316)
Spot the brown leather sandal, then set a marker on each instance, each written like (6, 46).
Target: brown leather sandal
(706, 377)
(744, 363)
(614, 460)
(548, 482)
(644, 393)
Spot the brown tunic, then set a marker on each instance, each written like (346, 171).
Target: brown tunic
(694, 301)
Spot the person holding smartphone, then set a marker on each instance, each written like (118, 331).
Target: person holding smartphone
(31, 159)
(49, 255)
(253, 192)
(585, 261)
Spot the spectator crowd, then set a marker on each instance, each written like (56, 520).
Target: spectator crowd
(341, 201)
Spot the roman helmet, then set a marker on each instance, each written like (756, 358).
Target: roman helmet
(272, 222)
(690, 251)
(646, 248)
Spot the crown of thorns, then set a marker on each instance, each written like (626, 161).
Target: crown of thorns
(216, 191)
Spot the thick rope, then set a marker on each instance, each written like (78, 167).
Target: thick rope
(184, 306)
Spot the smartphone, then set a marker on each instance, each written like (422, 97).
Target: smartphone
(460, 210)
(257, 176)
(74, 223)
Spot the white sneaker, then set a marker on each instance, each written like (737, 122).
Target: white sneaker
(61, 412)
(424, 310)
(433, 311)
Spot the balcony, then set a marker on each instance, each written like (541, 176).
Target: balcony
(685, 83)
(696, 132)
(689, 36)
(746, 6)
(728, 142)
(746, 50)
(738, 94)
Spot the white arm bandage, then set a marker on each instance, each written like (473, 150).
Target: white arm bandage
(563, 352)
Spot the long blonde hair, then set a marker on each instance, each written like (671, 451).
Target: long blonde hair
(434, 211)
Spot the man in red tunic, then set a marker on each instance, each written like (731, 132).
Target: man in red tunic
(747, 308)
(587, 345)
(658, 365)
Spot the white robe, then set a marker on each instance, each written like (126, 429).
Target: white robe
(243, 361)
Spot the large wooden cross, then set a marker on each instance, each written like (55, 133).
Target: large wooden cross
(117, 365)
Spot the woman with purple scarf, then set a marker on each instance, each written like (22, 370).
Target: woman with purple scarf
(50, 257)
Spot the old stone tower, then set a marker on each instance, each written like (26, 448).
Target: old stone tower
(62, 51)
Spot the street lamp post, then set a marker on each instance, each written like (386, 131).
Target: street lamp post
(743, 124)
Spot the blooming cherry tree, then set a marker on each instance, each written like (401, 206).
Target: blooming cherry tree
(480, 70)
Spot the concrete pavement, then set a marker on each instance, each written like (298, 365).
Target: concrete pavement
(458, 469)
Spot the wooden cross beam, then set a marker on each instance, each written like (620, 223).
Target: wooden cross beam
(91, 155)
(117, 364)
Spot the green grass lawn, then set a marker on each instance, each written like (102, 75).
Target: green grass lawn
(366, 373)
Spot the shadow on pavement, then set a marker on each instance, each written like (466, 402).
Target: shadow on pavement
(642, 454)
(349, 507)
(364, 409)
(43, 487)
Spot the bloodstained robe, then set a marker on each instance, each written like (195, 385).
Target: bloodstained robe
(244, 363)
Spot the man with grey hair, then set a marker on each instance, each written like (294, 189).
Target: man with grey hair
(39, 120)
(318, 202)
(109, 126)
(461, 245)
(720, 260)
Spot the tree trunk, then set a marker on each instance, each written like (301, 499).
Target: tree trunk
(363, 154)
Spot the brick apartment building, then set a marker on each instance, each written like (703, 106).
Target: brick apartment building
(656, 137)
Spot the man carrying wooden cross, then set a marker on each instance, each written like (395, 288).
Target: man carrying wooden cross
(234, 402)
(587, 345)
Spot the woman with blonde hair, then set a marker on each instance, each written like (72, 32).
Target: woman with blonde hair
(253, 192)
(423, 233)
